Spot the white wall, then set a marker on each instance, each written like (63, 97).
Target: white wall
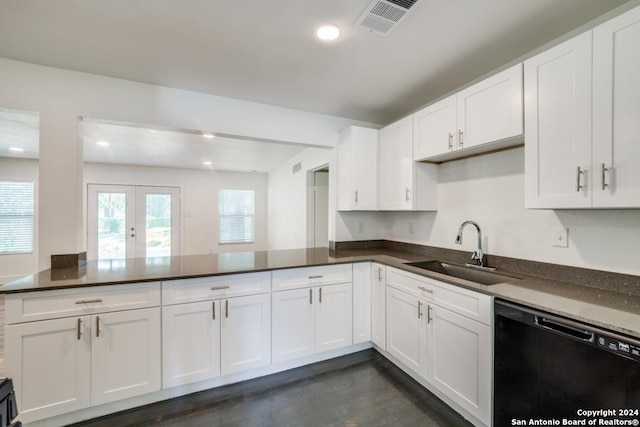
(287, 205)
(60, 96)
(13, 266)
(199, 200)
(490, 190)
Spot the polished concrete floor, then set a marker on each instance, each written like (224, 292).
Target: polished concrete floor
(363, 389)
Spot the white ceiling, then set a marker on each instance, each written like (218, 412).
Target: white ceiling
(265, 50)
(147, 146)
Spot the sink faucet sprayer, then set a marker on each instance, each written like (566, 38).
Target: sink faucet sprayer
(477, 255)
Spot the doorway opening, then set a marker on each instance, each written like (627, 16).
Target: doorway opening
(318, 207)
(129, 221)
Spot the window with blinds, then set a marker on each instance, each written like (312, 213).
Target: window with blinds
(16, 217)
(236, 216)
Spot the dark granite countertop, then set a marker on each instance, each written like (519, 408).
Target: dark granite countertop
(609, 309)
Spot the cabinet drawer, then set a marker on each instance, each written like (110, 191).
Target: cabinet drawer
(295, 278)
(215, 287)
(28, 307)
(468, 303)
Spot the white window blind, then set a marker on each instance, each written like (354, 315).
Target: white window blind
(236, 216)
(16, 217)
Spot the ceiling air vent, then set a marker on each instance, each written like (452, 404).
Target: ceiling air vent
(382, 16)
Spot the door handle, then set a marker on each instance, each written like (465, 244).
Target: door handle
(320, 297)
(97, 326)
(460, 138)
(310, 296)
(226, 309)
(419, 309)
(450, 141)
(213, 309)
(79, 329)
(604, 182)
(579, 174)
(429, 318)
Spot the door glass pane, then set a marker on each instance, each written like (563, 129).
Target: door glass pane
(158, 222)
(112, 208)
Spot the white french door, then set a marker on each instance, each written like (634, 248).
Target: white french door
(127, 221)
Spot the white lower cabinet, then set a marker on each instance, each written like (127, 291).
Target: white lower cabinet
(71, 349)
(361, 302)
(311, 320)
(459, 360)
(204, 340)
(245, 333)
(378, 305)
(406, 330)
(66, 367)
(190, 342)
(89, 360)
(451, 348)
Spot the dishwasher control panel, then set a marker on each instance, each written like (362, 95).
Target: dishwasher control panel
(619, 346)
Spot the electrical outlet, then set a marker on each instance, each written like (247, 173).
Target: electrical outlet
(360, 227)
(560, 237)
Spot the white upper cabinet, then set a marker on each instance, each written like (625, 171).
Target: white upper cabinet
(576, 155)
(558, 126)
(357, 169)
(402, 183)
(616, 112)
(435, 129)
(483, 117)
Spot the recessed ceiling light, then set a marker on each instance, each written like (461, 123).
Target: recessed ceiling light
(16, 149)
(102, 143)
(207, 163)
(328, 33)
(208, 135)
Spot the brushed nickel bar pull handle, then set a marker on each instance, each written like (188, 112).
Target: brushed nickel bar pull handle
(579, 175)
(88, 301)
(310, 296)
(316, 277)
(604, 182)
(219, 288)
(423, 289)
(380, 274)
(320, 298)
(226, 307)
(213, 309)
(406, 194)
(419, 309)
(97, 326)
(450, 141)
(79, 329)
(356, 196)
(429, 318)
(460, 138)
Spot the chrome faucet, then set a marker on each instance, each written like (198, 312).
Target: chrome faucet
(476, 256)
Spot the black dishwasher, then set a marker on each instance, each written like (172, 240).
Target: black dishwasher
(551, 370)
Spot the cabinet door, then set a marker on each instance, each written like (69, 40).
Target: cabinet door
(357, 169)
(459, 360)
(361, 302)
(49, 362)
(190, 342)
(558, 126)
(334, 321)
(245, 333)
(434, 129)
(293, 324)
(406, 329)
(395, 166)
(378, 305)
(491, 110)
(125, 354)
(616, 112)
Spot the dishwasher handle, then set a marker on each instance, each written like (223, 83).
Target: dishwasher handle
(564, 329)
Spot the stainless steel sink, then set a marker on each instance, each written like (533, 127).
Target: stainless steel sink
(466, 273)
